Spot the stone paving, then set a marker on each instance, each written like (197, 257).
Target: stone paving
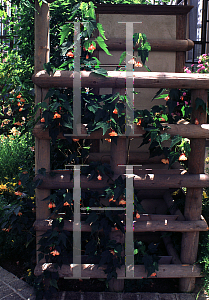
(13, 288)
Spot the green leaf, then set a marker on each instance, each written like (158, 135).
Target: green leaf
(89, 27)
(100, 71)
(200, 103)
(102, 44)
(105, 127)
(92, 218)
(164, 137)
(101, 30)
(122, 57)
(175, 140)
(158, 94)
(64, 33)
(136, 251)
(49, 94)
(53, 282)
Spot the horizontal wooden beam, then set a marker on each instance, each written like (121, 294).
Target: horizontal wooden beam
(137, 9)
(139, 226)
(134, 158)
(146, 181)
(117, 79)
(93, 271)
(119, 44)
(185, 130)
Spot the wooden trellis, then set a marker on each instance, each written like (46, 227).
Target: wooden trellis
(191, 223)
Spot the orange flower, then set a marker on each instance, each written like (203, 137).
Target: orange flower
(19, 182)
(87, 57)
(99, 177)
(18, 193)
(196, 121)
(137, 215)
(167, 98)
(182, 98)
(139, 122)
(18, 124)
(19, 214)
(42, 120)
(19, 104)
(51, 205)
(7, 229)
(109, 140)
(55, 252)
(182, 157)
(113, 133)
(75, 140)
(112, 200)
(138, 64)
(25, 172)
(57, 116)
(91, 47)
(161, 119)
(132, 61)
(165, 161)
(21, 108)
(66, 204)
(70, 54)
(22, 100)
(19, 96)
(122, 201)
(153, 275)
(115, 111)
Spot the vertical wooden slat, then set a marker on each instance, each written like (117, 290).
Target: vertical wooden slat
(181, 21)
(42, 147)
(193, 202)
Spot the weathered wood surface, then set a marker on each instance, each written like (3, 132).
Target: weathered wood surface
(42, 147)
(172, 206)
(92, 271)
(142, 9)
(171, 250)
(184, 130)
(139, 226)
(134, 158)
(193, 201)
(180, 34)
(119, 44)
(117, 79)
(147, 181)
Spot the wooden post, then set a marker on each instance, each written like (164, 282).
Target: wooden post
(42, 147)
(193, 203)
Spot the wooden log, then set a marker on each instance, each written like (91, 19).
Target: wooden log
(117, 79)
(92, 271)
(139, 226)
(171, 250)
(148, 181)
(193, 202)
(184, 130)
(119, 44)
(142, 9)
(42, 147)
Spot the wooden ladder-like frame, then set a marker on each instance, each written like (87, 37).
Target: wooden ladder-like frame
(195, 180)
